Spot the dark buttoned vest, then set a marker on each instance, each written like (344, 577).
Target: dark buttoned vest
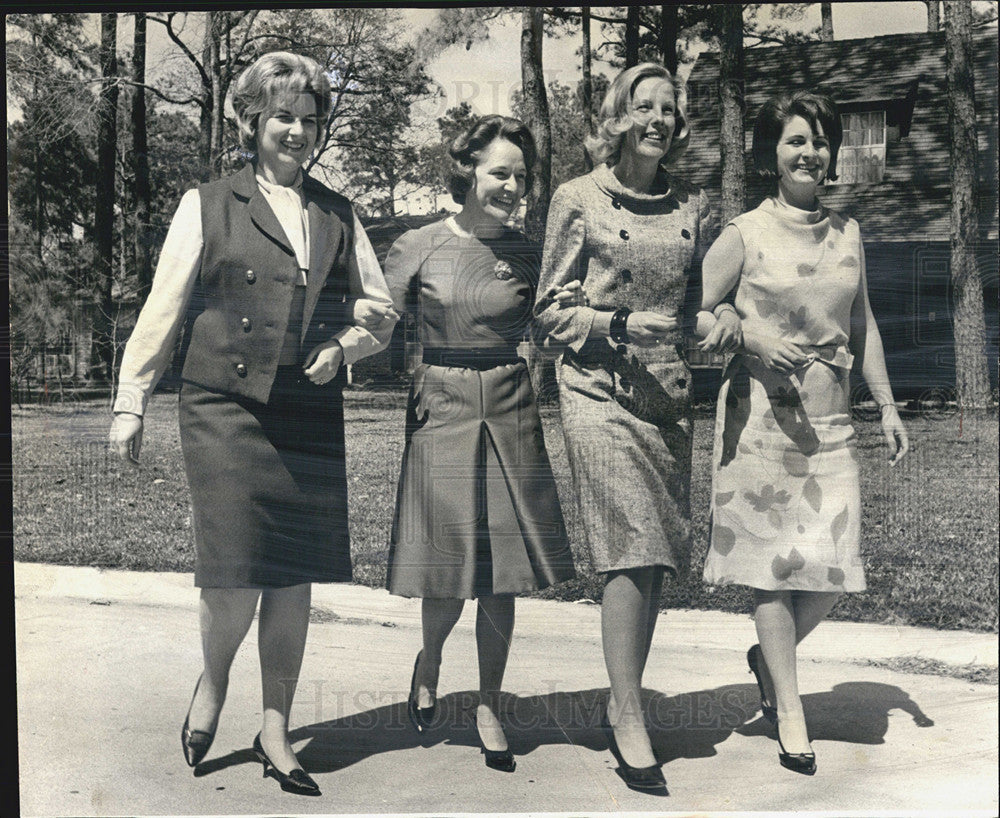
(239, 312)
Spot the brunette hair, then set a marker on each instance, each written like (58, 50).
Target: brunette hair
(271, 76)
(819, 110)
(615, 118)
(468, 147)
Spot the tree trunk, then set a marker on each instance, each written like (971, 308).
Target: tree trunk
(205, 114)
(632, 37)
(140, 159)
(731, 102)
(536, 107)
(36, 160)
(826, 32)
(104, 213)
(933, 15)
(587, 90)
(971, 376)
(669, 29)
(218, 23)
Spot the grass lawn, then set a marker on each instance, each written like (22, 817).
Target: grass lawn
(929, 542)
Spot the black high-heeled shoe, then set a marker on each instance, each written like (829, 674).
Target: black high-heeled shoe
(196, 743)
(297, 781)
(804, 763)
(502, 760)
(421, 717)
(648, 780)
(754, 659)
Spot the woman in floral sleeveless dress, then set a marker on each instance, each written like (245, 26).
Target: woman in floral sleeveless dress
(786, 505)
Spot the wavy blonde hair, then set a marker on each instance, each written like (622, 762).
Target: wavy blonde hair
(271, 76)
(615, 118)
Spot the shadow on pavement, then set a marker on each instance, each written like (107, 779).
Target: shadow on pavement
(854, 712)
(685, 725)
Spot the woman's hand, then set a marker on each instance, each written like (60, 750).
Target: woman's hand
(126, 437)
(725, 336)
(895, 433)
(647, 329)
(776, 353)
(323, 362)
(570, 295)
(370, 315)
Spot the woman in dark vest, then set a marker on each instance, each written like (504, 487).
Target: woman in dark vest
(267, 266)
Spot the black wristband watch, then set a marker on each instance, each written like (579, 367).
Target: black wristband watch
(619, 323)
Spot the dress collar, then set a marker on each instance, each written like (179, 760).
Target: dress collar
(272, 187)
(606, 180)
(793, 214)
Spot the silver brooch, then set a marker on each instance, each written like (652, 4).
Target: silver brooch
(503, 270)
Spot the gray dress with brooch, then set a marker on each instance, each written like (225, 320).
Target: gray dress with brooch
(477, 511)
(626, 411)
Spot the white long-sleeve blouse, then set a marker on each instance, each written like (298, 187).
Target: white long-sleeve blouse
(151, 344)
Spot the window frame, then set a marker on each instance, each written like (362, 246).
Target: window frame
(862, 149)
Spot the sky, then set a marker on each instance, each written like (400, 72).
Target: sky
(487, 74)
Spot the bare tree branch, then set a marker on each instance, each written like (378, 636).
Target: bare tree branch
(168, 24)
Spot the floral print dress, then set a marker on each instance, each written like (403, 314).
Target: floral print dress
(786, 505)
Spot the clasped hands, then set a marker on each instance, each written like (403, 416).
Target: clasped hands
(324, 360)
(644, 328)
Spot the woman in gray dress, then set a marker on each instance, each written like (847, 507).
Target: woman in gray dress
(631, 233)
(477, 514)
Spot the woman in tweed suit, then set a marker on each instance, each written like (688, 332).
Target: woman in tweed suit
(633, 234)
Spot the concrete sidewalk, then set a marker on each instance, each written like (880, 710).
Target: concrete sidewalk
(107, 661)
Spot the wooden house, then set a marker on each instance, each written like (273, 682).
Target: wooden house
(893, 176)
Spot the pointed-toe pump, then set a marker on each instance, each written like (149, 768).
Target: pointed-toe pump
(195, 743)
(755, 659)
(502, 760)
(647, 780)
(297, 781)
(804, 763)
(421, 717)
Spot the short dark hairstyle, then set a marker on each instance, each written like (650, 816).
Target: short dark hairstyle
(774, 115)
(468, 148)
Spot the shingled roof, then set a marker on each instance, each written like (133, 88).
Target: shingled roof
(905, 71)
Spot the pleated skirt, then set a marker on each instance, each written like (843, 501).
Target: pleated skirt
(477, 511)
(268, 484)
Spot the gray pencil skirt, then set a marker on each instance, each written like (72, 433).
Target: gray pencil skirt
(268, 484)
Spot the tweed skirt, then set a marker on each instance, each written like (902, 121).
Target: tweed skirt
(268, 484)
(627, 421)
(477, 511)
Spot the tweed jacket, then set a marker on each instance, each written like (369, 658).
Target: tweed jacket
(626, 248)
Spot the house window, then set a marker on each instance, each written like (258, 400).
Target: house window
(862, 153)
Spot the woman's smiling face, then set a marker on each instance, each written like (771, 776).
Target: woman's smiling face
(499, 180)
(287, 133)
(653, 110)
(803, 154)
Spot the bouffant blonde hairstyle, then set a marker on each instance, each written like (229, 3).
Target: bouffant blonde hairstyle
(270, 77)
(615, 118)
